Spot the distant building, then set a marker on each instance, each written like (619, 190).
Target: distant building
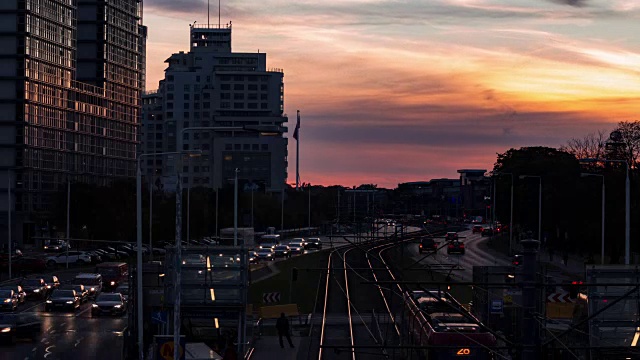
(71, 77)
(211, 86)
(434, 197)
(474, 186)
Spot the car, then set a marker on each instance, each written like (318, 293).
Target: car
(81, 291)
(296, 247)
(92, 282)
(96, 258)
(8, 300)
(427, 244)
(283, 251)
(18, 292)
(193, 259)
(108, 304)
(51, 282)
(72, 257)
(26, 325)
(517, 260)
(124, 290)
(455, 247)
(62, 299)
(34, 287)
(488, 231)
(476, 229)
(264, 254)
(252, 257)
(451, 236)
(268, 245)
(301, 240)
(56, 245)
(25, 264)
(313, 243)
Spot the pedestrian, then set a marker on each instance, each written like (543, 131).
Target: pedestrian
(282, 325)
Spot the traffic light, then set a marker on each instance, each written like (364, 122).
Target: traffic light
(574, 288)
(294, 274)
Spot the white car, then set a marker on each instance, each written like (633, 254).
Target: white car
(92, 282)
(74, 257)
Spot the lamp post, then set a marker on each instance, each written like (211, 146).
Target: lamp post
(627, 229)
(539, 203)
(9, 218)
(235, 207)
(603, 207)
(140, 323)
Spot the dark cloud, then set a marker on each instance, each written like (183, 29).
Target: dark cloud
(576, 3)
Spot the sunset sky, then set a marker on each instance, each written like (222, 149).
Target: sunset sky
(397, 91)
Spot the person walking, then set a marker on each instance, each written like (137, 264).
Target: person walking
(282, 325)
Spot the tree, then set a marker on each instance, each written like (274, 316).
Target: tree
(591, 146)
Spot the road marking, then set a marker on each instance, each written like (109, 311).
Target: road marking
(48, 351)
(83, 311)
(34, 349)
(78, 342)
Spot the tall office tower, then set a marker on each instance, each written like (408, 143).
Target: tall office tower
(71, 77)
(211, 86)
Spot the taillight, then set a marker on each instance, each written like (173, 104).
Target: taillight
(450, 246)
(420, 246)
(462, 245)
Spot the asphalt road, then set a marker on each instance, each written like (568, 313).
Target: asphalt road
(69, 335)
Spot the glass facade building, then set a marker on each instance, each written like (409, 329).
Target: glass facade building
(71, 79)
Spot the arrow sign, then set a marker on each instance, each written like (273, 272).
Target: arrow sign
(272, 297)
(159, 317)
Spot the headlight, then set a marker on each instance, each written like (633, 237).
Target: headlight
(46, 247)
(36, 290)
(70, 302)
(93, 289)
(113, 283)
(5, 330)
(49, 301)
(94, 305)
(7, 300)
(117, 306)
(48, 286)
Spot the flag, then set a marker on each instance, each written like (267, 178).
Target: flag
(295, 132)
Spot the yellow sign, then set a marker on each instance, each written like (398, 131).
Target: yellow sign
(508, 299)
(166, 351)
(464, 352)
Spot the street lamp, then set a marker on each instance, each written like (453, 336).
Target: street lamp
(627, 229)
(539, 203)
(602, 227)
(511, 215)
(140, 322)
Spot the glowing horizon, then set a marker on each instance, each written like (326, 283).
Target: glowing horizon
(391, 92)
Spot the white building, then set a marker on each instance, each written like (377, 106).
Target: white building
(211, 86)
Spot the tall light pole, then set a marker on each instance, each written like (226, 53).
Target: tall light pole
(9, 218)
(235, 207)
(539, 203)
(603, 207)
(282, 208)
(68, 221)
(627, 228)
(151, 217)
(309, 212)
(140, 322)
(189, 203)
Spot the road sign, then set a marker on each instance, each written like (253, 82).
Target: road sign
(272, 297)
(497, 306)
(560, 297)
(165, 347)
(159, 317)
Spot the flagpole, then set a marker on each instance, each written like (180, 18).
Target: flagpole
(298, 152)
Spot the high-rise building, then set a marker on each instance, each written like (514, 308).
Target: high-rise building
(211, 86)
(71, 77)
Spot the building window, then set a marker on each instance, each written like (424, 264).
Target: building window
(264, 96)
(186, 97)
(265, 147)
(225, 96)
(228, 147)
(252, 105)
(185, 146)
(252, 87)
(245, 146)
(255, 147)
(238, 105)
(170, 96)
(264, 106)
(169, 77)
(207, 96)
(187, 87)
(238, 96)
(197, 78)
(185, 106)
(237, 147)
(170, 106)
(225, 105)
(185, 169)
(239, 87)
(238, 78)
(263, 87)
(225, 86)
(205, 146)
(186, 114)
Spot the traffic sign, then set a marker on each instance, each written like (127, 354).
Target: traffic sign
(497, 306)
(272, 297)
(165, 347)
(159, 317)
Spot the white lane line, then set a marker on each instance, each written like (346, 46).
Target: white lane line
(48, 351)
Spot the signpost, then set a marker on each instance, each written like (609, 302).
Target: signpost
(272, 297)
(497, 306)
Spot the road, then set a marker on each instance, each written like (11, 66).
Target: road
(72, 335)
(476, 254)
